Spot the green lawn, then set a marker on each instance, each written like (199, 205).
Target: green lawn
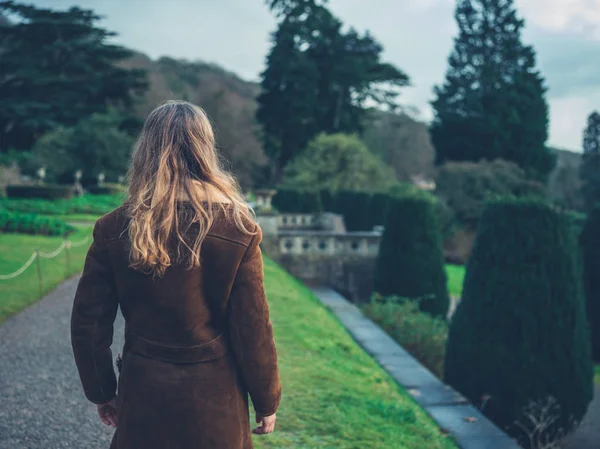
(334, 394)
(91, 218)
(597, 374)
(19, 292)
(456, 274)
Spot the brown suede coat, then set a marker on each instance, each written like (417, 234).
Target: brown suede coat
(196, 341)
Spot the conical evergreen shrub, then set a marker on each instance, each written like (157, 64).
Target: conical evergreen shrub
(519, 341)
(590, 249)
(410, 261)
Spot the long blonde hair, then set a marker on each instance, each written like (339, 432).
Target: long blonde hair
(175, 155)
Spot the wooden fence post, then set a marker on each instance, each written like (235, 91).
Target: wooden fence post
(39, 271)
(68, 256)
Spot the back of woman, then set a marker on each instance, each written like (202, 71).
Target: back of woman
(181, 258)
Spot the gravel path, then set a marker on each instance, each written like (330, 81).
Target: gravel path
(42, 405)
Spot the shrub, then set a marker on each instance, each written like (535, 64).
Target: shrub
(519, 335)
(296, 201)
(419, 333)
(337, 162)
(590, 248)
(86, 204)
(465, 186)
(47, 191)
(32, 224)
(410, 261)
(95, 144)
(106, 189)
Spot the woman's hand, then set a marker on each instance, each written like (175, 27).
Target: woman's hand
(267, 424)
(108, 412)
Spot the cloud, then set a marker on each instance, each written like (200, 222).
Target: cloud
(572, 16)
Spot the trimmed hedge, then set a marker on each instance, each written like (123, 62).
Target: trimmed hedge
(590, 248)
(86, 204)
(296, 201)
(519, 340)
(46, 191)
(106, 189)
(410, 261)
(422, 335)
(32, 224)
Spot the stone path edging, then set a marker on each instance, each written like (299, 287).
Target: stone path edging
(451, 411)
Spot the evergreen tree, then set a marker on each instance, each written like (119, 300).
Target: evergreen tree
(319, 78)
(410, 262)
(519, 335)
(590, 164)
(57, 67)
(492, 104)
(590, 248)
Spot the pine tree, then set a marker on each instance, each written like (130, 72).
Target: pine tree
(56, 68)
(519, 335)
(492, 104)
(590, 164)
(319, 78)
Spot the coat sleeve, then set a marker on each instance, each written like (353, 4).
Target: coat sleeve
(251, 332)
(94, 312)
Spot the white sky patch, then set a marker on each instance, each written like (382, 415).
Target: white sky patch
(568, 116)
(580, 16)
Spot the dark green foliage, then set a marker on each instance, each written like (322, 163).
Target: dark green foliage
(379, 206)
(519, 335)
(47, 191)
(492, 104)
(106, 189)
(355, 207)
(422, 335)
(319, 78)
(296, 201)
(32, 224)
(590, 163)
(94, 145)
(465, 186)
(590, 248)
(338, 162)
(57, 67)
(86, 204)
(410, 261)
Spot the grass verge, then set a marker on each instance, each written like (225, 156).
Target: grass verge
(597, 374)
(19, 292)
(79, 218)
(335, 395)
(456, 274)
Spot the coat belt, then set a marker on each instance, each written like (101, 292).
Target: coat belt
(214, 349)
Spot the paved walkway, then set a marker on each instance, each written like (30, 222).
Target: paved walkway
(41, 401)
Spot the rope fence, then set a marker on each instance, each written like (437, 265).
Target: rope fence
(38, 255)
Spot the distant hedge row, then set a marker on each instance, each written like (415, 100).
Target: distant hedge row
(32, 224)
(86, 204)
(46, 191)
(361, 210)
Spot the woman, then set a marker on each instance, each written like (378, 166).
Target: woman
(181, 258)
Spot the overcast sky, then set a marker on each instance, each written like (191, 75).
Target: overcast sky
(416, 34)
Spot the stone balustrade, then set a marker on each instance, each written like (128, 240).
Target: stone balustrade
(297, 221)
(327, 243)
